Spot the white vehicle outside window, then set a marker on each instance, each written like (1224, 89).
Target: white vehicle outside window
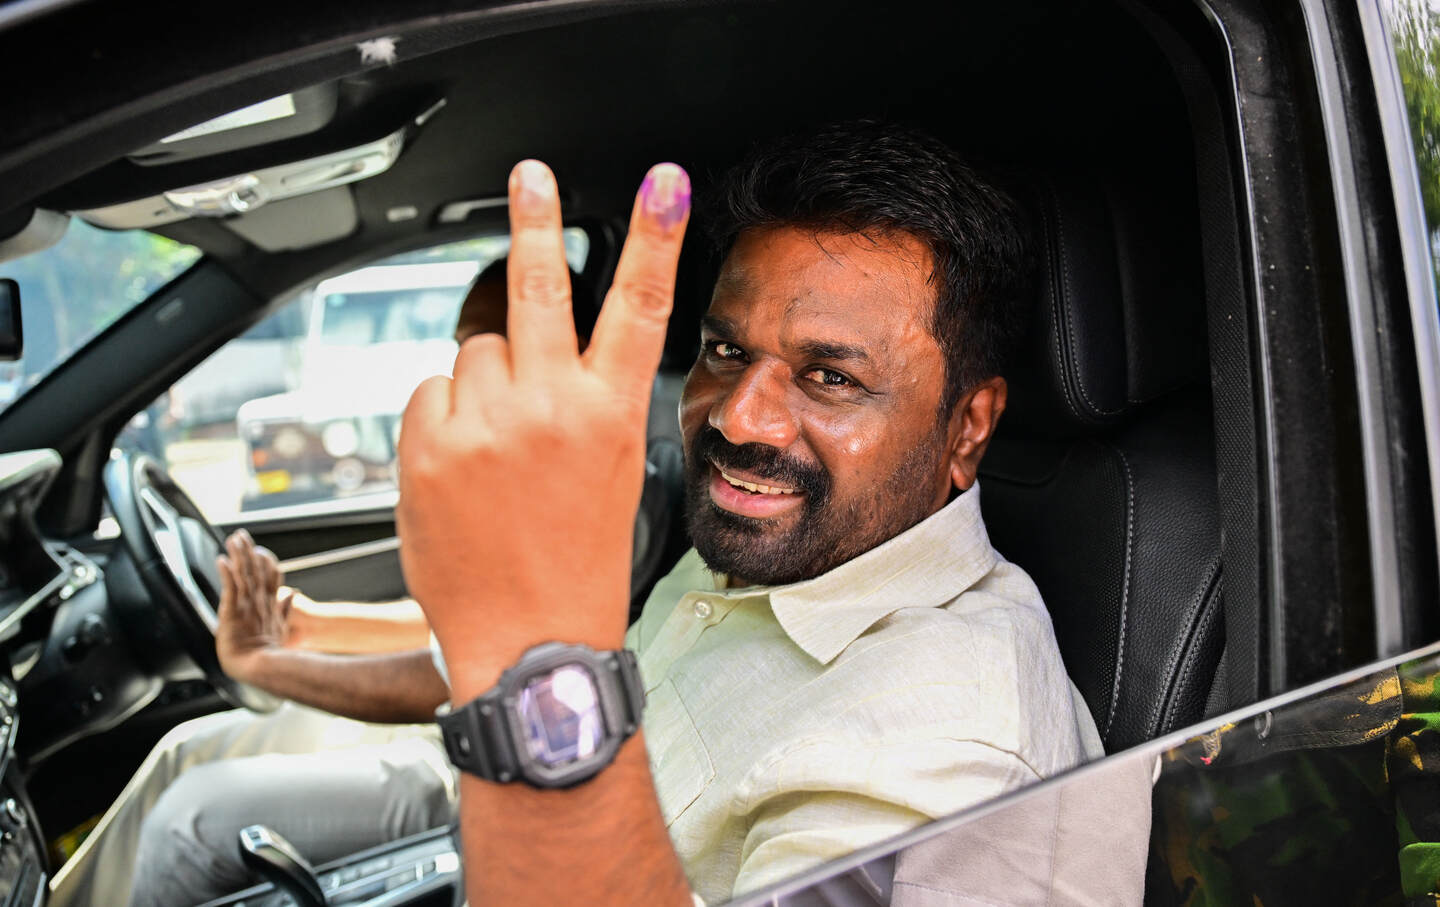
(303, 410)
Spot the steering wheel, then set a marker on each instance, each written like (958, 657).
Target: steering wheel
(174, 548)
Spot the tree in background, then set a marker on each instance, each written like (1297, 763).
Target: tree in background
(1416, 30)
(80, 286)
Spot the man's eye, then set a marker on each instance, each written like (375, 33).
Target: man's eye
(828, 378)
(725, 350)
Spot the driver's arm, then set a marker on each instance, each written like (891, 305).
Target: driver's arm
(354, 627)
(252, 642)
(390, 688)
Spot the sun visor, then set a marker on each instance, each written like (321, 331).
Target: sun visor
(42, 230)
(273, 120)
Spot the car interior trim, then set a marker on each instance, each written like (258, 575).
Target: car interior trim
(1384, 558)
(1243, 423)
(42, 595)
(339, 555)
(43, 230)
(274, 184)
(1410, 213)
(16, 12)
(1266, 622)
(361, 505)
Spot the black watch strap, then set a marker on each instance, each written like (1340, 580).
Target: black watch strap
(480, 736)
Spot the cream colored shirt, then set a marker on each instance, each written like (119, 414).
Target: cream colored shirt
(790, 725)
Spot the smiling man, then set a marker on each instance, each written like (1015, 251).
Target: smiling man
(843, 655)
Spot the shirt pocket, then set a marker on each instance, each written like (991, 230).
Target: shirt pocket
(679, 761)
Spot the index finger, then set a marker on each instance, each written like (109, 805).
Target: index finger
(630, 333)
(227, 588)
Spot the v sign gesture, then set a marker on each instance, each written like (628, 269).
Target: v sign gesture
(532, 456)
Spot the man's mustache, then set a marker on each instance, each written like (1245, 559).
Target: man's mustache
(760, 460)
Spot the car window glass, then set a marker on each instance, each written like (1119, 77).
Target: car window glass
(1415, 29)
(1326, 798)
(304, 408)
(78, 287)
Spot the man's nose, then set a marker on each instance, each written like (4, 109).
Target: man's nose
(755, 409)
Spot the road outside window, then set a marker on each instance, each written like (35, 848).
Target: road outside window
(303, 410)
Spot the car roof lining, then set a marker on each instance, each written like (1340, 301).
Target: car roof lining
(1024, 88)
(1083, 82)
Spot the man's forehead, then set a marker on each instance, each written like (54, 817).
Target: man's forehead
(848, 282)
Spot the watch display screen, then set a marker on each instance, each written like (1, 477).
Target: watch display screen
(561, 716)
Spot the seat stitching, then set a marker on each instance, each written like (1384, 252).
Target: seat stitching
(1124, 588)
(1204, 598)
(1057, 307)
(1079, 381)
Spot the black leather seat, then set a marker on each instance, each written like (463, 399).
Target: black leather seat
(1101, 481)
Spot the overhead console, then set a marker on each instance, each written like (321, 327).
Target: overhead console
(248, 191)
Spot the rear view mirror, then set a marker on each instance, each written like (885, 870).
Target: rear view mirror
(11, 337)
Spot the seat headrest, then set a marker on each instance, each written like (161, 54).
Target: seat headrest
(1118, 318)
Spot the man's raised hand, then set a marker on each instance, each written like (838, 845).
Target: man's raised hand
(520, 476)
(254, 608)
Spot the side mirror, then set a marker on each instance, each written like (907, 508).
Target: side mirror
(12, 344)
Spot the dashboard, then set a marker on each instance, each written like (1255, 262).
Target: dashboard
(84, 647)
(37, 579)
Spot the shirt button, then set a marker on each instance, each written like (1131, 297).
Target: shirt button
(703, 610)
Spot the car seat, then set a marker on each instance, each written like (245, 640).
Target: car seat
(1101, 480)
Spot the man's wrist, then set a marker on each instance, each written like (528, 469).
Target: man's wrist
(474, 670)
(475, 657)
(299, 628)
(256, 665)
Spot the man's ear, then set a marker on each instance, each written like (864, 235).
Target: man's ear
(972, 423)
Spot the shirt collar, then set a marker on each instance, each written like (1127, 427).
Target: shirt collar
(925, 566)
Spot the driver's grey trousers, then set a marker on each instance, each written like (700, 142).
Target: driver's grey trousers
(330, 785)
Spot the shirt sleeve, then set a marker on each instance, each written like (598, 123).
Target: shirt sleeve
(827, 800)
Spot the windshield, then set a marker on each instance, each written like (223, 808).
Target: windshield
(77, 288)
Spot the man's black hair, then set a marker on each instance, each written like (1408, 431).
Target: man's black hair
(875, 178)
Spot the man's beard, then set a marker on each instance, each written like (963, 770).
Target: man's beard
(826, 533)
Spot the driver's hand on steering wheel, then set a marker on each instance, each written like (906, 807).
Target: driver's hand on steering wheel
(254, 610)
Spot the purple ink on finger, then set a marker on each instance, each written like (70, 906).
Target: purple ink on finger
(665, 194)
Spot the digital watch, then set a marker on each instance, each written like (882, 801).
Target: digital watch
(554, 719)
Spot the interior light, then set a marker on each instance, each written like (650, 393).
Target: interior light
(233, 195)
(273, 109)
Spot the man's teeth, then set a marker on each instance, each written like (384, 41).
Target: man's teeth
(753, 486)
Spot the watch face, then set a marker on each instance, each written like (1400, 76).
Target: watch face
(561, 716)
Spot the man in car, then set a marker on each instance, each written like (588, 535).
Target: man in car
(843, 656)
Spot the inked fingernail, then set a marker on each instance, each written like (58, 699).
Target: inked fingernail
(665, 194)
(534, 182)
